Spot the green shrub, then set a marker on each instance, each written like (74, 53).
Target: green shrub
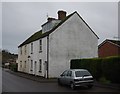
(92, 65)
(100, 67)
(13, 66)
(104, 80)
(111, 68)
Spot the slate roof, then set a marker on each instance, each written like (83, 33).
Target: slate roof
(39, 34)
(115, 42)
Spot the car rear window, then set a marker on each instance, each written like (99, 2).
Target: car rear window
(82, 73)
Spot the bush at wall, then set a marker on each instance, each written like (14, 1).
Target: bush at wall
(13, 66)
(111, 68)
(100, 67)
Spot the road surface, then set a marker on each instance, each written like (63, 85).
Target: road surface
(13, 83)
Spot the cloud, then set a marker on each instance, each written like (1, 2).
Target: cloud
(20, 20)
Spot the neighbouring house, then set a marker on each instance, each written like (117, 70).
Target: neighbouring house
(109, 48)
(49, 51)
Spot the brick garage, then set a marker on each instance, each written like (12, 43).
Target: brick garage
(109, 48)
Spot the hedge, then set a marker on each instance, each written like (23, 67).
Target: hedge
(13, 67)
(100, 67)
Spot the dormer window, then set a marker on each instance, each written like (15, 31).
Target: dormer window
(49, 24)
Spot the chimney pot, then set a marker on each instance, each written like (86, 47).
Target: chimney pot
(61, 15)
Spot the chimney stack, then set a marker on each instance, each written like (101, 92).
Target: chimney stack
(61, 15)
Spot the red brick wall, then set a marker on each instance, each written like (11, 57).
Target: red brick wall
(108, 49)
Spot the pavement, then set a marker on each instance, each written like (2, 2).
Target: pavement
(54, 80)
(32, 77)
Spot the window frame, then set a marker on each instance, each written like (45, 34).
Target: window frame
(31, 48)
(64, 73)
(69, 73)
(25, 65)
(20, 64)
(20, 50)
(40, 65)
(40, 45)
(31, 65)
(25, 49)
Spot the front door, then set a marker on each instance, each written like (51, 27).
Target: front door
(45, 69)
(35, 68)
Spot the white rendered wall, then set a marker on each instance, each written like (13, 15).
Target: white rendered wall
(35, 57)
(22, 58)
(72, 40)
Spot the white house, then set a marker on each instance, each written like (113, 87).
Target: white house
(49, 51)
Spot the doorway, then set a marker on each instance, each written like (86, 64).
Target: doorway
(35, 68)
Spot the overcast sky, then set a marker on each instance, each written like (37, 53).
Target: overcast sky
(21, 20)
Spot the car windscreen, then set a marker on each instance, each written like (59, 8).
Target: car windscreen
(82, 73)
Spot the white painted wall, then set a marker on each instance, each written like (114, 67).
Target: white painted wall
(72, 40)
(22, 58)
(35, 56)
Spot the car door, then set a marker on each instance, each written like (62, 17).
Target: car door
(63, 77)
(68, 77)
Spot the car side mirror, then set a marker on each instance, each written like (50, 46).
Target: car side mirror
(61, 75)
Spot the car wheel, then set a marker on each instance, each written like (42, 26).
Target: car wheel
(90, 86)
(72, 86)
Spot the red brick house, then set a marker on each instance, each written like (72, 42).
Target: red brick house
(109, 48)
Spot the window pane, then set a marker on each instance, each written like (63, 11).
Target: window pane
(21, 50)
(69, 73)
(31, 64)
(82, 73)
(25, 49)
(40, 65)
(64, 73)
(40, 42)
(40, 45)
(25, 64)
(31, 48)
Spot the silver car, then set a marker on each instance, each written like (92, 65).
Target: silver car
(76, 77)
